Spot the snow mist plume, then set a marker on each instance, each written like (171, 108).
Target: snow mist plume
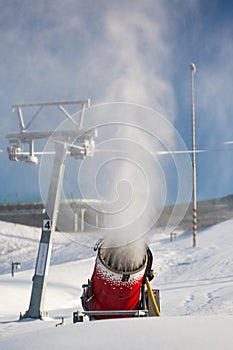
(126, 176)
(127, 258)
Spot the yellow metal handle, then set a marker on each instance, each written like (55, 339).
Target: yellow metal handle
(151, 295)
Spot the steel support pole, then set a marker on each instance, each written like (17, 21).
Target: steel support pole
(36, 307)
(75, 222)
(193, 71)
(83, 219)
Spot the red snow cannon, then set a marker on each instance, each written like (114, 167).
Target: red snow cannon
(117, 286)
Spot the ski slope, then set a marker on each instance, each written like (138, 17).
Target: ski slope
(196, 287)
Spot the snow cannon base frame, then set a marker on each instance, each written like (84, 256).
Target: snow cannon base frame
(148, 311)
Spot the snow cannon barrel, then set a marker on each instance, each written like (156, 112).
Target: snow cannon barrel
(117, 280)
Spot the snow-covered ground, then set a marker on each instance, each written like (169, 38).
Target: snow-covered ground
(196, 286)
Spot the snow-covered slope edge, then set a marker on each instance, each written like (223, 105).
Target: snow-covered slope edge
(196, 287)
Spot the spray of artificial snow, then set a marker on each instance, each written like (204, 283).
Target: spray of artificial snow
(127, 258)
(135, 187)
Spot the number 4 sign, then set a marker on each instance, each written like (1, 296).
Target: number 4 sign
(47, 225)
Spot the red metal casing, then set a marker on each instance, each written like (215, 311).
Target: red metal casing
(115, 290)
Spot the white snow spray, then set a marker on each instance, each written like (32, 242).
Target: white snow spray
(128, 177)
(130, 182)
(127, 258)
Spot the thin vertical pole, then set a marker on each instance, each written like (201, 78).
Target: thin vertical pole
(193, 71)
(76, 222)
(96, 219)
(82, 219)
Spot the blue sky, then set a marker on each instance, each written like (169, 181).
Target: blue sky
(132, 51)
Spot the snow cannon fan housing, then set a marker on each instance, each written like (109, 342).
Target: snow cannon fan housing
(114, 285)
